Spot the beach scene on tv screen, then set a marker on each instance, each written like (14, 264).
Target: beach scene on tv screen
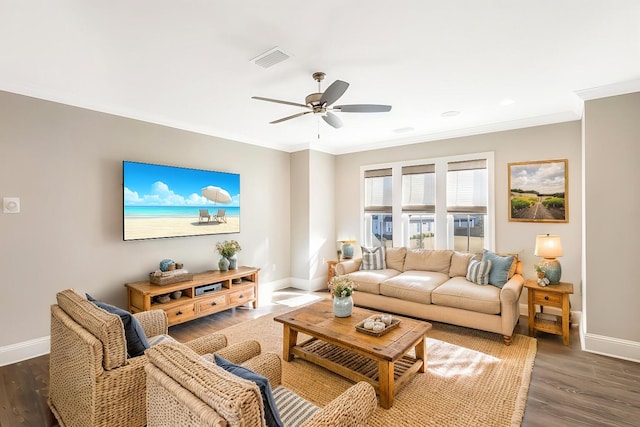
(166, 201)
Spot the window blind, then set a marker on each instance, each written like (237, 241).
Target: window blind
(377, 190)
(419, 188)
(467, 187)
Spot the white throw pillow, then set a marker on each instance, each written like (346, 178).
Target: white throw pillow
(478, 272)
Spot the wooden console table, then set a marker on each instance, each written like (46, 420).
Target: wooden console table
(191, 306)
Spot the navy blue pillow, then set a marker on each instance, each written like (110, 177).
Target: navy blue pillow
(137, 341)
(271, 415)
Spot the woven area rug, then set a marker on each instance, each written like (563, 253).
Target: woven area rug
(472, 378)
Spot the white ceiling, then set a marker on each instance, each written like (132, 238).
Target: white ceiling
(187, 63)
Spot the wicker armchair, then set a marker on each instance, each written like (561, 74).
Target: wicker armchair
(185, 389)
(91, 381)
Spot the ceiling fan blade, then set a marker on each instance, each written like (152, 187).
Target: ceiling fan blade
(290, 117)
(277, 101)
(363, 108)
(332, 120)
(333, 92)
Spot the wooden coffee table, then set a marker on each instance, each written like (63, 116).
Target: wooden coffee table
(335, 344)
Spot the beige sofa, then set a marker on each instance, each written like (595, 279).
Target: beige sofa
(432, 285)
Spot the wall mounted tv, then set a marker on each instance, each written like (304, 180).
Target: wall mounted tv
(167, 201)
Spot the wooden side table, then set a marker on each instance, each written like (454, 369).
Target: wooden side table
(331, 269)
(549, 296)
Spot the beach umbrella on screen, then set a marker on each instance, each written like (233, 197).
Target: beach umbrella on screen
(216, 195)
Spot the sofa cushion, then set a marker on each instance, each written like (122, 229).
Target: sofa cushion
(460, 293)
(137, 341)
(413, 285)
(369, 280)
(373, 258)
(438, 260)
(460, 263)
(395, 258)
(271, 415)
(478, 272)
(500, 267)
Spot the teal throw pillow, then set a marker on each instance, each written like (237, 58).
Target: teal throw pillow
(137, 341)
(373, 258)
(271, 415)
(478, 272)
(500, 266)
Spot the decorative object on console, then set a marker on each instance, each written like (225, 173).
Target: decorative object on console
(347, 248)
(227, 251)
(165, 263)
(342, 287)
(549, 247)
(223, 264)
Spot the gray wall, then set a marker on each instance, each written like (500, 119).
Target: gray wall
(612, 205)
(66, 165)
(560, 141)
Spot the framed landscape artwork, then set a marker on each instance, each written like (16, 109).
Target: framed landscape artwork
(538, 191)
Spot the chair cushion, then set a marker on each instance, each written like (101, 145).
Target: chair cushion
(271, 415)
(137, 341)
(294, 410)
(500, 267)
(373, 258)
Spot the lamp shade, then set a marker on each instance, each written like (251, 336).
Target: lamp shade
(548, 246)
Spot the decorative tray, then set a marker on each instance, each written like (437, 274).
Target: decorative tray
(168, 280)
(360, 326)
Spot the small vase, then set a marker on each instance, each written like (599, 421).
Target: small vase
(233, 262)
(342, 306)
(223, 264)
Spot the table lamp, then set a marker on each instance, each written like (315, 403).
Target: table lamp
(549, 247)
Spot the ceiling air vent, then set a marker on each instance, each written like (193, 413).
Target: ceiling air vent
(270, 58)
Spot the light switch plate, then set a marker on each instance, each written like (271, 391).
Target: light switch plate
(11, 205)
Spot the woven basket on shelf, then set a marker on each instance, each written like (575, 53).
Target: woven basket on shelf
(168, 280)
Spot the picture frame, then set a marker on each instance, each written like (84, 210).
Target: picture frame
(539, 191)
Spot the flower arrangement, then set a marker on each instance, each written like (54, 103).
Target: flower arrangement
(342, 286)
(227, 249)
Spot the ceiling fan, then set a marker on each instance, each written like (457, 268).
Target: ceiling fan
(320, 103)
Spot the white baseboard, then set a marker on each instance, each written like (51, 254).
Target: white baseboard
(612, 347)
(15, 353)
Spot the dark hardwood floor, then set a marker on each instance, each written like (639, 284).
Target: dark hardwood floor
(569, 387)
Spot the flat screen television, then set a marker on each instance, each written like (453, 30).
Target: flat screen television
(168, 201)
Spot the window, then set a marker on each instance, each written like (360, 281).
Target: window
(418, 205)
(378, 208)
(467, 194)
(441, 203)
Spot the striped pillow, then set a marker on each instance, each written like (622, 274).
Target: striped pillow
(373, 258)
(478, 272)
